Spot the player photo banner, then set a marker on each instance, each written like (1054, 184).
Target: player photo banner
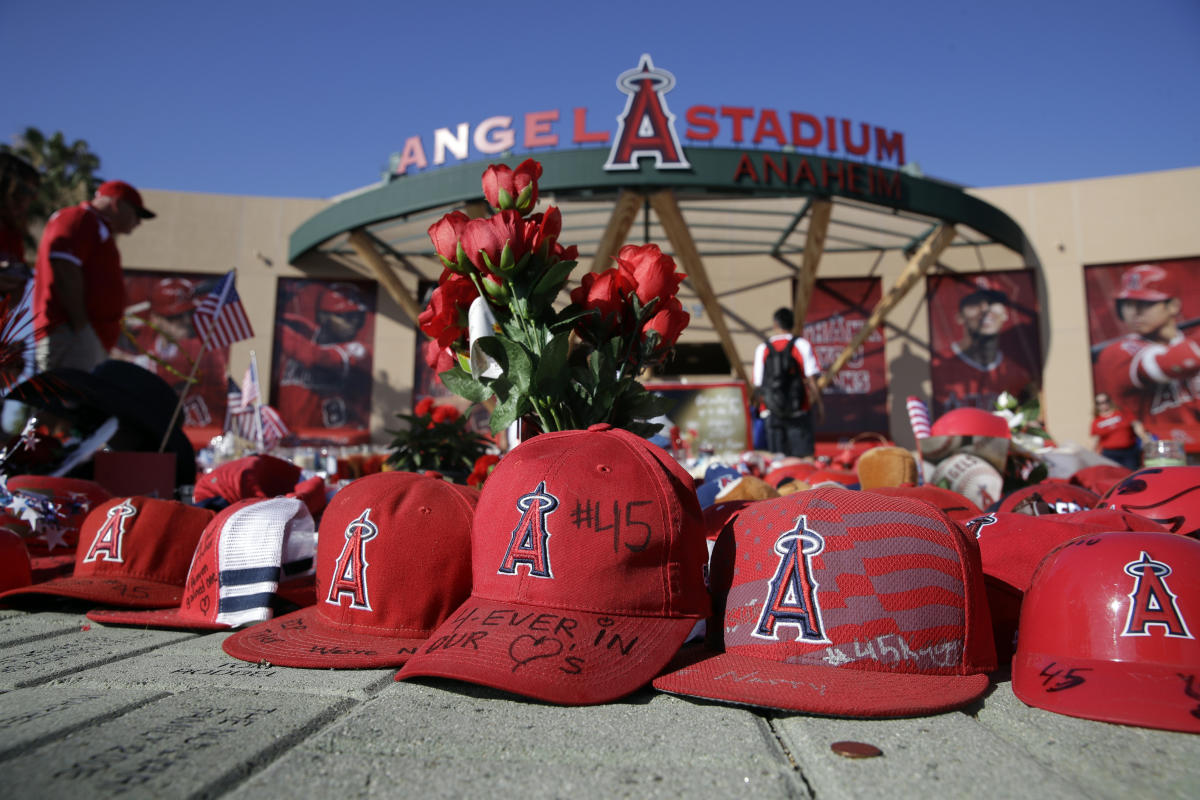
(856, 402)
(983, 338)
(158, 334)
(322, 361)
(1144, 323)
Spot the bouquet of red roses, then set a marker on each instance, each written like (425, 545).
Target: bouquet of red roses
(497, 334)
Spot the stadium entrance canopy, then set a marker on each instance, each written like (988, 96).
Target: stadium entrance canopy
(704, 201)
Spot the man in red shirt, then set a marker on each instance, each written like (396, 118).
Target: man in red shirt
(78, 286)
(792, 436)
(1153, 372)
(1117, 435)
(976, 370)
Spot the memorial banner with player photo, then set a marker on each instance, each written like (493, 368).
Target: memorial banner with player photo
(158, 334)
(426, 382)
(1144, 324)
(856, 402)
(983, 336)
(322, 363)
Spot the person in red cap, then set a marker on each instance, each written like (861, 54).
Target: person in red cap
(976, 370)
(78, 287)
(1153, 372)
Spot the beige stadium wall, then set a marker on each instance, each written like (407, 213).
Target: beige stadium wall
(1108, 220)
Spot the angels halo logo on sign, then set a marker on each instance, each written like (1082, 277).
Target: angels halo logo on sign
(646, 127)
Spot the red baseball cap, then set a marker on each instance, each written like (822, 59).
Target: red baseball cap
(952, 504)
(1100, 477)
(120, 190)
(258, 475)
(134, 552)
(243, 554)
(1108, 631)
(970, 422)
(341, 298)
(1147, 282)
(393, 560)
(845, 603)
(588, 556)
(15, 571)
(67, 503)
(1169, 496)
(1048, 497)
(172, 296)
(799, 471)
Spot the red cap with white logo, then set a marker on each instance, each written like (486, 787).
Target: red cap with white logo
(1108, 631)
(393, 560)
(133, 552)
(844, 603)
(588, 557)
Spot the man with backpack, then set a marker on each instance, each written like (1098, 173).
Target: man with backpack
(785, 370)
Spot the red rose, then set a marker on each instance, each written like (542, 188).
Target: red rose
(445, 414)
(669, 321)
(423, 406)
(445, 318)
(503, 186)
(650, 270)
(484, 241)
(605, 291)
(445, 235)
(483, 468)
(439, 358)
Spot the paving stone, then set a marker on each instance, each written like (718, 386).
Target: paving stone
(946, 755)
(33, 662)
(200, 661)
(31, 717)
(17, 627)
(1118, 761)
(193, 744)
(451, 740)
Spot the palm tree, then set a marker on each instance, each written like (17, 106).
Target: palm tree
(68, 171)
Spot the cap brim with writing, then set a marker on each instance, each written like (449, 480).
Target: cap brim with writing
(1108, 631)
(588, 556)
(245, 551)
(844, 603)
(393, 560)
(133, 552)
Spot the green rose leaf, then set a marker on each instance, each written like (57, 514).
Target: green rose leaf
(462, 384)
(507, 412)
(551, 375)
(551, 283)
(513, 359)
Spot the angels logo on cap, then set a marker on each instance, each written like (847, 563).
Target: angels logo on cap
(844, 603)
(588, 555)
(1108, 631)
(133, 552)
(393, 560)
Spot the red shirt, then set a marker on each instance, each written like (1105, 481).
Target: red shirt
(1115, 431)
(1166, 407)
(78, 234)
(959, 382)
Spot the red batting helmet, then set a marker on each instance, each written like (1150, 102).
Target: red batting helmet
(340, 298)
(1108, 631)
(1169, 496)
(1147, 282)
(172, 296)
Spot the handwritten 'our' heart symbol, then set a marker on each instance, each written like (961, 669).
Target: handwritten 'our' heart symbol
(205, 603)
(526, 648)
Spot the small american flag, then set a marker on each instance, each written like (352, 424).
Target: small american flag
(251, 394)
(220, 318)
(273, 427)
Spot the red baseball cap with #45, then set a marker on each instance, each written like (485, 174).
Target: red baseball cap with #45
(133, 552)
(844, 603)
(588, 556)
(393, 560)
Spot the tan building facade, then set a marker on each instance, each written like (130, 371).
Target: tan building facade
(1067, 225)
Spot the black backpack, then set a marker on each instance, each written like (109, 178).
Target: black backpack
(783, 388)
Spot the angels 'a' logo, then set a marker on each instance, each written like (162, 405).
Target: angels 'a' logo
(350, 570)
(792, 598)
(1151, 602)
(530, 538)
(107, 545)
(646, 127)
(975, 525)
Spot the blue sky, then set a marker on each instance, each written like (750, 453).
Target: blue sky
(310, 99)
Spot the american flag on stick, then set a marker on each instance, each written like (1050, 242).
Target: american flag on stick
(220, 318)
